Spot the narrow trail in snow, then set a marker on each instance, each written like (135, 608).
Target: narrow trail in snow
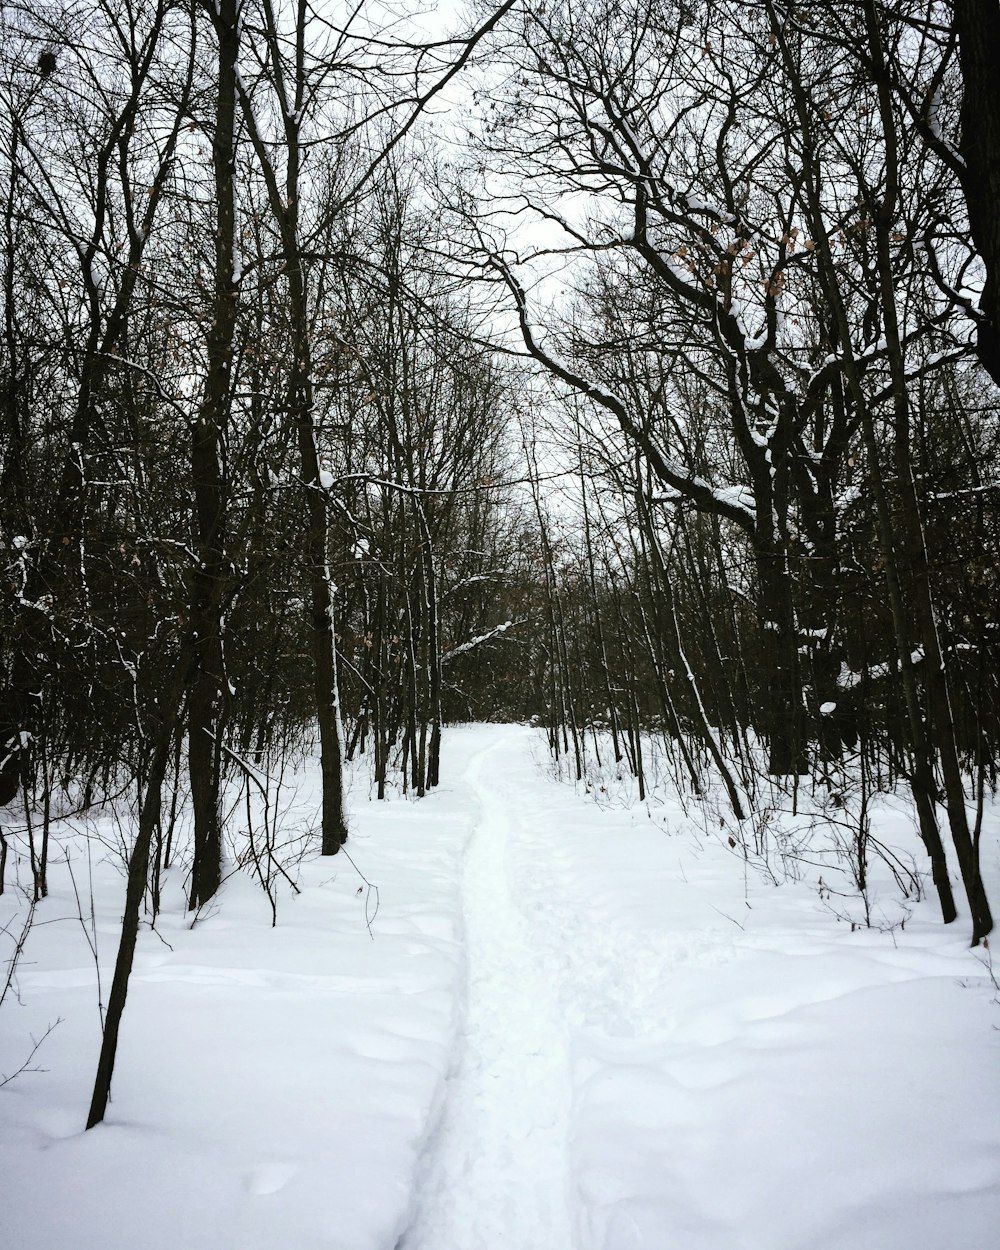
(496, 1171)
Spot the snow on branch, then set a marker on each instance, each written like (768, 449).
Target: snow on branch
(472, 643)
(674, 476)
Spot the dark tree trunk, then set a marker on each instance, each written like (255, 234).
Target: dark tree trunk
(914, 554)
(138, 868)
(292, 88)
(207, 697)
(782, 688)
(978, 26)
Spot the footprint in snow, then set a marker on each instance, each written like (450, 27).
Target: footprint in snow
(269, 1178)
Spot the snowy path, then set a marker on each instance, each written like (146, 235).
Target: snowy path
(496, 1171)
(577, 1022)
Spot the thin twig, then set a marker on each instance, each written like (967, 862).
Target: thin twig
(25, 1067)
(369, 920)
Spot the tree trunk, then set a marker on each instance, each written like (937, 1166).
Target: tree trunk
(917, 572)
(138, 867)
(978, 26)
(209, 689)
(782, 688)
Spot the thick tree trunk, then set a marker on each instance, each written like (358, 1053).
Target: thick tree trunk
(334, 833)
(209, 689)
(782, 688)
(978, 26)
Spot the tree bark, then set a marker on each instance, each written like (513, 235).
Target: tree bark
(138, 867)
(209, 689)
(978, 26)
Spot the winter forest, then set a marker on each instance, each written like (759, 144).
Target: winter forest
(499, 624)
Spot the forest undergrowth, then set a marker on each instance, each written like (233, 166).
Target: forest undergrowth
(850, 840)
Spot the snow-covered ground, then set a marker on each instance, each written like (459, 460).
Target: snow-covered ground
(572, 1027)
